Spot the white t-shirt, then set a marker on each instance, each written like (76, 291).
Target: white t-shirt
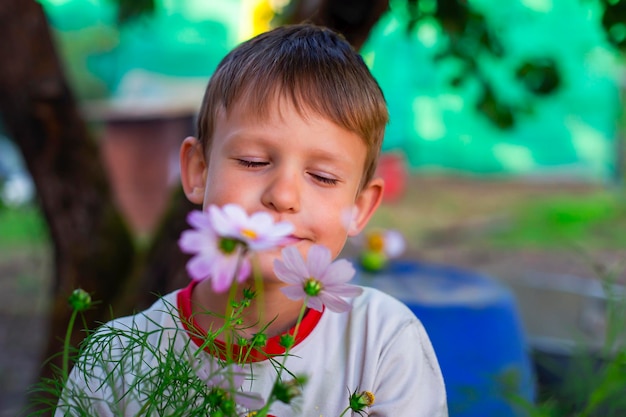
(378, 346)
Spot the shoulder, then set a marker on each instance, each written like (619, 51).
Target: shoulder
(375, 306)
(162, 310)
(145, 326)
(376, 321)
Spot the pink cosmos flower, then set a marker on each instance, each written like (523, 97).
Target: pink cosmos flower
(221, 241)
(230, 379)
(216, 258)
(318, 280)
(258, 231)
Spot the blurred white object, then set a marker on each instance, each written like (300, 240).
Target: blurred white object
(16, 185)
(146, 95)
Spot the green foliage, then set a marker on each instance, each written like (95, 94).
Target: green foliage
(141, 366)
(614, 22)
(165, 377)
(593, 221)
(471, 38)
(594, 382)
(129, 10)
(22, 226)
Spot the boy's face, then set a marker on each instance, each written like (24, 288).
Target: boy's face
(305, 170)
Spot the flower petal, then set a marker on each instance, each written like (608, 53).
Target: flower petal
(223, 273)
(199, 219)
(222, 219)
(345, 290)
(249, 400)
(315, 303)
(271, 236)
(282, 229)
(245, 269)
(199, 267)
(293, 292)
(338, 272)
(235, 215)
(260, 221)
(317, 260)
(293, 261)
(193, 241)
(285, 274)
(334, 303)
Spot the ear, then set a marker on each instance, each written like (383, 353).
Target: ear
(365, 205)
(193, 169)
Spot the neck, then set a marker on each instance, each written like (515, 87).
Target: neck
(269, 312)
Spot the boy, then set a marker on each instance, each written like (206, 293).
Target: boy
(291, 124)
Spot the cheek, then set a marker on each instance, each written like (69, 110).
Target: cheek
(332, 230)
(219, 194)
(223, 189)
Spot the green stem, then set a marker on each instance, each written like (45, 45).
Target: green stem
(258, 287)
(344, 412)
(301, 316)
(66, 345)
(228, 337)
(263, 411)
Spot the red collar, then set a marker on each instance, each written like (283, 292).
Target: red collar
(272, 348)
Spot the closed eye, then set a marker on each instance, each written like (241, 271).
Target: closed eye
(252, 164)
(324, 180)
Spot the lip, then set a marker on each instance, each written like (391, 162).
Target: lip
(292, 240)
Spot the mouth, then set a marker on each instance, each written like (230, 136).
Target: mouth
(291, 240)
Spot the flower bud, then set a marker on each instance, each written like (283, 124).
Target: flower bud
(360, 400)
(79, 300)
(312, 287)
(286, 340)
(287, 391)
(259, 340)
(248, 294)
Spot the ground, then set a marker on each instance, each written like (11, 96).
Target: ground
(446, 220)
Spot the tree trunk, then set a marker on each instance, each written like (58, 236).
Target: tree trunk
(354, 19)
(92, 246)
(163, 267)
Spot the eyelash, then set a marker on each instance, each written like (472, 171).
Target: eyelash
(329, 181)
(251, 164)
(258, 164)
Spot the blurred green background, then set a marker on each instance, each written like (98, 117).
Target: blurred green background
(570, 133)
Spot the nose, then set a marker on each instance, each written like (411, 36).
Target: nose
(282, 193)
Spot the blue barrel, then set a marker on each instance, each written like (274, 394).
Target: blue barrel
(475, 329)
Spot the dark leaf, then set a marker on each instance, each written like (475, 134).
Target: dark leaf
(540, 75)
(501, 114)
(129, 10)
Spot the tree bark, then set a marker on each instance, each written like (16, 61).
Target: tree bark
(92, 247)
(162, 268)
(354, 19)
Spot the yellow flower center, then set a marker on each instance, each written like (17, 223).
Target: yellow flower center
(375, 242)
(250, 234)
(368, 397)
